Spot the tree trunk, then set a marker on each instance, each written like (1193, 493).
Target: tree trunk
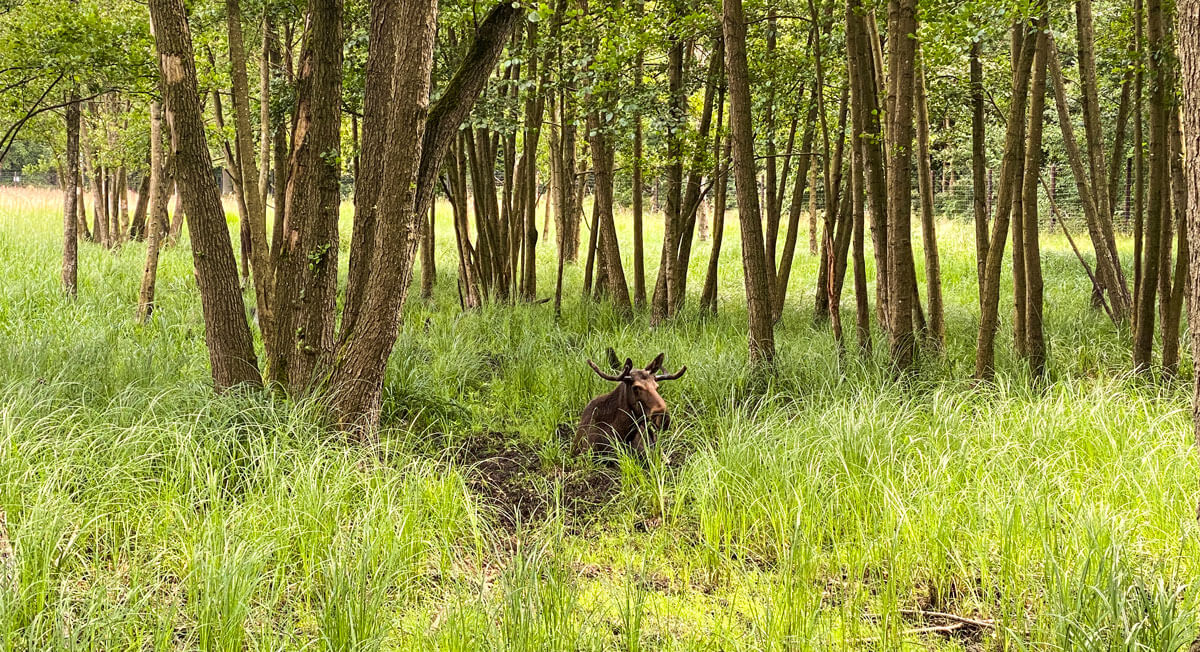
(754, 260)
(933, 268)
(673, 216)
(70, 265)
(302, 337)
(1178, 215)
(1108, 265)
(1035, 340)
(783, 275)
(157, 226)
(979, 189)
(230, 345)
(708, 296)
(415, 149)
(1188, 18)
(862, 58)
(428, 271)
(902, 29)
(1160, 84)
(608, 249)
(137, 226)
(1013, 146)
(248, 175)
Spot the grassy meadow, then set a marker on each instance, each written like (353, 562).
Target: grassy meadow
(827, 507)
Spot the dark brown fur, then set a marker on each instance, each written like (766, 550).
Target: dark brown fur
(630, 415)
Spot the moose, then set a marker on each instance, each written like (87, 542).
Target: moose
(631, 414)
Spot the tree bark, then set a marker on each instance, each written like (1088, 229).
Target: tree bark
(902, 30)
(302, 339)
(754, 261)
(1035, 341)
(248, 175)
(415, 149)
(230, 345)
(979, 188)
(70, 265)
(157, 214)
(1013, 147)
(1188, 21)
(933, 268)
(1160, 84)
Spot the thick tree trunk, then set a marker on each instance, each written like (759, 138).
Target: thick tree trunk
(1188, 20)
(754, 260)
(415, 150)
(230, 345)
(70, 265)
(302, 339)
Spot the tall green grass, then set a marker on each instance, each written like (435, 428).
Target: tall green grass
(814, 509)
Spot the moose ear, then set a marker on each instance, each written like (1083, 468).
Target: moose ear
(656, 363)
(613, 361)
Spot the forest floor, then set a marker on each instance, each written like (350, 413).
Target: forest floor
(825, 507)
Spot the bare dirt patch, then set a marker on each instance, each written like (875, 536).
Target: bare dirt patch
(512, 477)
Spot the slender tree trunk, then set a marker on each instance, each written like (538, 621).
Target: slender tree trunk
(608, 247)
(673, 216)
(978, 164)
(157, 214)
(70, 265)
(783, 276)
(1009, 184)
(754, 261)
(230, 345)
(137, 226)
(1178, 215)
(639, 249)
(866, 75)
(1018, 225)
(1143, 332)
(902, 29)
(428, 270)
(1035, 340)
(933, 268)
(248, 175)
(708, 296)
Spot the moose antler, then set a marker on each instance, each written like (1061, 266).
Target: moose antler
(616, 379)
(661, 377)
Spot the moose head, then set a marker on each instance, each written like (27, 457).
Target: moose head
(631, 413)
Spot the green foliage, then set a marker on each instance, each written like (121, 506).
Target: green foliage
(803, 512)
